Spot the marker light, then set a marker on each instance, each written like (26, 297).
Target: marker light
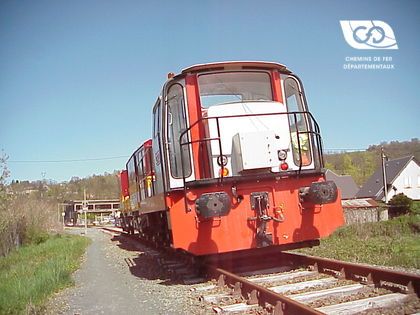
(224, 172)
(282, 154)
(222, 160)
(284, 166)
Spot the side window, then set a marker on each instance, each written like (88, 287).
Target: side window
(148, 172)
(140, 172)
(407, 182)
(299, 130)
(132, 182)
(179, 155)
(132, 173)
(156, 120)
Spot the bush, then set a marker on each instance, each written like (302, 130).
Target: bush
(26, 220)
(35, 235)
(399, 205)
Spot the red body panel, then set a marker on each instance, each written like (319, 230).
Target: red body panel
(275, 86)
(197, 132)
(124, 183)
(235, 232)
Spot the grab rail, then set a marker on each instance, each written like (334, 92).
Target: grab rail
(312, 131)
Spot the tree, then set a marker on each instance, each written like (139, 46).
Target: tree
(348, 167)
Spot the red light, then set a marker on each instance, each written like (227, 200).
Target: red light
(284, 166)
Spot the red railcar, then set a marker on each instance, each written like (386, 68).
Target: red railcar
(124, 184)
(235, 162)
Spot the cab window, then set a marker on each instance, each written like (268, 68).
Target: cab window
(299, 130)
(233, 87)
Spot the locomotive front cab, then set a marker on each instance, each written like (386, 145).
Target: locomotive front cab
(242, 155)
(246, 122)
(256, 132)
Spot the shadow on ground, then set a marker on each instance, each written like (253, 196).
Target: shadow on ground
(144, 265)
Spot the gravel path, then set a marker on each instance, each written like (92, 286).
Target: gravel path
(118, 278)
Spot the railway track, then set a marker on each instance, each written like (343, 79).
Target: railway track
(313, 285)
(289, 283)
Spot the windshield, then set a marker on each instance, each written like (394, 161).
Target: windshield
(229, 87)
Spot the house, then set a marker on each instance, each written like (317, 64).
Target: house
(402, 176)
(345, 183)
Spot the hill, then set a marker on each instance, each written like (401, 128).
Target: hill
(104, 186)
(362, 164)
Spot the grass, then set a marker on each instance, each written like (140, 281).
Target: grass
(389, 243)
(29, 275)
(415, 207)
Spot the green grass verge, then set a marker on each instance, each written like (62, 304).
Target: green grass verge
(389, 243)
(29, 275)
(415, 207)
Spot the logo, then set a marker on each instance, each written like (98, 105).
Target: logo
(369, 34)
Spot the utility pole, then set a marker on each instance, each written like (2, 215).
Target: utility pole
(384, 158)
(61, 214)
(43, 184)
(85, 208)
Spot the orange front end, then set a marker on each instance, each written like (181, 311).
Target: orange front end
(261, 213)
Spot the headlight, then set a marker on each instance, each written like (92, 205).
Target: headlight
(222, 160)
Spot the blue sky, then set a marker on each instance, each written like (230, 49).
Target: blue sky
(78, 79)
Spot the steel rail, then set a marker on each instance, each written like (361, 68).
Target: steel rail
(257, 294)
(353, 271)
(282, 305)
(344, 270)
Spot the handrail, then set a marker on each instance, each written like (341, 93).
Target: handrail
(252, 115)
(313, 133)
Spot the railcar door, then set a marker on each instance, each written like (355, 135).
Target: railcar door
(158, 161)
(177, 147)
(132, 183)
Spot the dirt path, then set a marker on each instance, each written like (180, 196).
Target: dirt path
(117, 278)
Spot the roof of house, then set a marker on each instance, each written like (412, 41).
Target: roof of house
(359, 203)
(345, 183)
(374, 187)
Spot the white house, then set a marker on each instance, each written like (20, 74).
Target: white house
(402, 176)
